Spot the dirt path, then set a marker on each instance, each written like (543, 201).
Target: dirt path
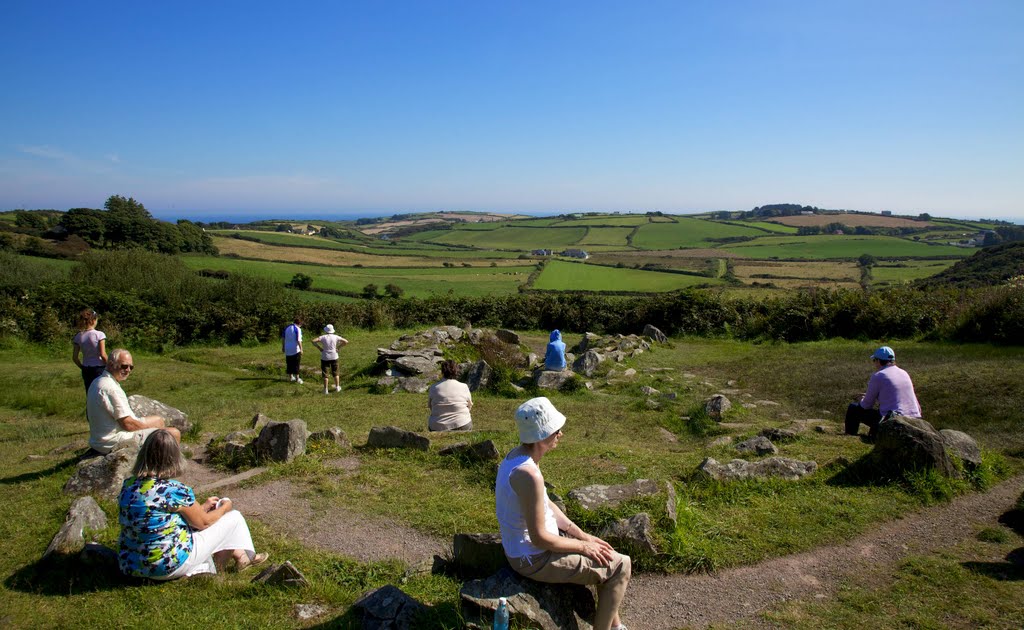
(655, 602)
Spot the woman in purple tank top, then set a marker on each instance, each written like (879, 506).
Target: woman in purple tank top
(90, 347)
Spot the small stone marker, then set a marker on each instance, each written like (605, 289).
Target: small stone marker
(83, 514)
(759, 445)
(393, 437)
(484, 451)
(284, 574)
(388, 607)
(633, 533)
(597, 496)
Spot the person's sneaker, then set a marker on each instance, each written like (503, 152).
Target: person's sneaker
(298, 380)
(337, 388)
(291, 377)
(326, 392)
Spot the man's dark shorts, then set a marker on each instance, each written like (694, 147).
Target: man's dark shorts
(325, 365)
(291, 363)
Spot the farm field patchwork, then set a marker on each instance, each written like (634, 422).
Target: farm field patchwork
(830, 247)
(416, 282)
(611, 220)
(614, 236)
(567, 276)
(905, 271)
(850, 220)
(688, 232)
(514, 238)
(817, 270)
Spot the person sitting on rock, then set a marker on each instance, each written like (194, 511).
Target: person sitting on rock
(554, 356)
(449, 401)
(890, 387)
(530, 523)
(111, 419)
(165, 533)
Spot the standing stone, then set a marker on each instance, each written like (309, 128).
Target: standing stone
(507, 336)
(655, 334)
(281, 441)
(103, 476)
(176, 418)
(388, 608)
(84, 514)
(961, 445)
(594, 497)
(284, 574)
(671, 502)
(485, 451)
(532, 604)
(716, 406)
(477, 555)
(393, 437)
(479, 376)
(588, 362)
(737, 469)
(335, 435)
(633, 533)
(759, 445)
(910, 443)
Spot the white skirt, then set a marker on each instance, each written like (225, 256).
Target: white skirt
(229, 532)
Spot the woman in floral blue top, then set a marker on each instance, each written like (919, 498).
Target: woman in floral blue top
(165, 534)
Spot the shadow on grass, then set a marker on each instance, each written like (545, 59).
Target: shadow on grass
(445, 615)
(860, 473)
(1014, 519)
(61, 577)
(1010, 571)
(39, 474)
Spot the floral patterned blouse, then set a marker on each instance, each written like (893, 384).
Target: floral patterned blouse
(155, 540)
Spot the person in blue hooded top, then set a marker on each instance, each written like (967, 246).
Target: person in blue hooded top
(554, 356)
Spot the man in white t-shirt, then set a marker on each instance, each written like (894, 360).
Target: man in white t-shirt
(111, 419)
(328, 344)
(291, 345)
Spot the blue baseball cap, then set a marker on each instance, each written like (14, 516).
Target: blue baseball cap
(885, 353)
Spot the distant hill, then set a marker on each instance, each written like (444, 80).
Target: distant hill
(990, 266)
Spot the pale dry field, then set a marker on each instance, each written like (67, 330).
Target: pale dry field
(843, 271)
(263, 251)
(851, 220)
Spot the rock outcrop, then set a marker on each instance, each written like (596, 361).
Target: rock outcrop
(781, 467)
(597, 496)
(532, 604)
(84, 514)
(910, 444)
(173, 417)
(393, 437)
(102, 476)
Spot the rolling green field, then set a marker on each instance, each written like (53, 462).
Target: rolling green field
(827, 246)
(514, 238)
(405, 247)
(615, 236)
(566, 276)
(687, 232)
(772, 227)
(416, 282)
(908, 270)
(606, 220)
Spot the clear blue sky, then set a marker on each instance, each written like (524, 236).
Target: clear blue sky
(311, 108)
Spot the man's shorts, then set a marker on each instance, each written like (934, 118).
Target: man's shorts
(291, 363)
(571, 568)
(332, 364)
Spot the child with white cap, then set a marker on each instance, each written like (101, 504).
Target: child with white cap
(530, 523)
(328, 344)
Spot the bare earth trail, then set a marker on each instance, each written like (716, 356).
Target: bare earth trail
(653, 602)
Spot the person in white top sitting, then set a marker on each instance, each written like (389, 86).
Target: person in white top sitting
(530, 523)
(328, 344)
(449, 401)
(111, 419)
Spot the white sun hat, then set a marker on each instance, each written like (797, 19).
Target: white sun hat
(537, 419)
(329, 329)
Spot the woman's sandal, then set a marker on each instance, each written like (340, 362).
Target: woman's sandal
(259, 558)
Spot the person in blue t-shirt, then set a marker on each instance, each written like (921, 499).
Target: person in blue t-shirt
(291, 345)
(554, 356)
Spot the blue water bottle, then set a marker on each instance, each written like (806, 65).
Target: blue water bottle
(501, 615)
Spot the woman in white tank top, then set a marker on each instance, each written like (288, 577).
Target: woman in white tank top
(531, 525)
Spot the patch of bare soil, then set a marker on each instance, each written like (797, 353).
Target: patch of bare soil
(737, 596)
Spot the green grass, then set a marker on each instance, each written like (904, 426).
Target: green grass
(611, 219)
(688, 232)
(416, 282)
(610, 437)
(615, 236)
(566, 276)
(897, 273)
(773, 227)
(405, 247)
(828, 246)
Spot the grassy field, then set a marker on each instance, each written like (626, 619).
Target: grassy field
(613, 236)
(611, 219)
(851, 220)
(611, 437)
(687, 232)
(416, 282)
(375, 247)
(831, 247)
(566, 276)
(897, 273)
(514, 238)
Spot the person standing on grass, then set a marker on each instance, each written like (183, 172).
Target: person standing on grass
(530, 523)
(449, 401)
(291, 345)
(90, 354)
(165, 533)
(111, 419)
(328, 344)
(554, 355)
(890, 387)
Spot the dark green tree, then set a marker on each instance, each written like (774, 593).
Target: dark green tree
(87, 223)
(393, 290)
(370, 291)
(301, 281)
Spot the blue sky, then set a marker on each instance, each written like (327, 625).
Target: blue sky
(314, 108)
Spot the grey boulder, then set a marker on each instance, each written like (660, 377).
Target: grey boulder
(281, 441)
(173, 417)
(780, 467)
(759, 445)
(393, 437)
(961, 445)
(84, 514)
(597, 496)
(532, 604)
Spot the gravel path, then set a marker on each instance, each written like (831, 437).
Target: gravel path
(655, 602)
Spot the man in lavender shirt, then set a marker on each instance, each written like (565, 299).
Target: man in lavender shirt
(890, 387)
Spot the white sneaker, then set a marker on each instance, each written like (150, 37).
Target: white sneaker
(337, 388)
(298, 380)
(326, 392)
(291, 377)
